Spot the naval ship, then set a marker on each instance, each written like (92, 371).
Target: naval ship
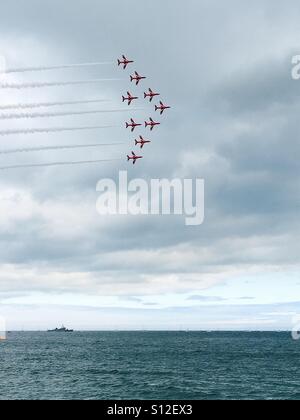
(61, 330)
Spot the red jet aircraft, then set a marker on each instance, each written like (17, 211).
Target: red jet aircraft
(125, 62)
(151, 124)
(134, 158)
(130, 98)
(162, 108)
(151, 95)
(142, 142)
(133, 125)
(137, 78)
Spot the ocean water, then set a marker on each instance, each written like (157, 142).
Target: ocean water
(150, 365)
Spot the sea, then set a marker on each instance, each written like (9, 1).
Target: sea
(150, 366)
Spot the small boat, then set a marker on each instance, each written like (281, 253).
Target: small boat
(61, 330)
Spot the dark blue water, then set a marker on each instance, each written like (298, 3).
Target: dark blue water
(150, 365)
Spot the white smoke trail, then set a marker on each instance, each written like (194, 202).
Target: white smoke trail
(52, 130)
(48, 104)
(44, 165)
(58, 147)
(51, 84)
(62, 114)
(57, 67)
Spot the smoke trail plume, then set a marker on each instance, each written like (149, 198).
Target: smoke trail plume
(44, 165)
(59, 147)
(51, 84)
(62, 114)
(48, 104)
(57, 67)
(52, 130)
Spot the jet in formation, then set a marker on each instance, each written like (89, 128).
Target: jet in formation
(134, 158)
(132, 125)
(142, 142)
(129, 98)
(161, 108)
(136, 78)
(124, 62)
(151, 124)
(150, 94)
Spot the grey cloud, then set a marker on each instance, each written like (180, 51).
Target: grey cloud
(234, 122)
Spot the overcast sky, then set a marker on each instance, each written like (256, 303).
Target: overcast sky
(225, 67)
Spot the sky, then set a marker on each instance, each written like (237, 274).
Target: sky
(225, 68)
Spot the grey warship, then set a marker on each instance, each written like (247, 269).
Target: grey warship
(63, 329)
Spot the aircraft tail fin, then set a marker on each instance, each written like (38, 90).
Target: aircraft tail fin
(128, 158)
(119, 62)
(156, 108)
(123, 98)
(136, 142)
(127, 125)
